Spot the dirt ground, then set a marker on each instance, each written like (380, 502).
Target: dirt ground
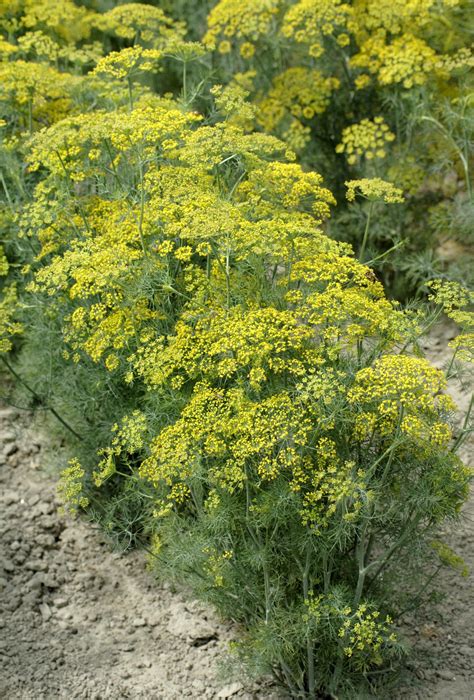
(443, 637)
(78, 621)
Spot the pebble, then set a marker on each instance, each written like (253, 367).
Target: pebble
(10, 498)
(195, 630)
(10, 449)
(30, 599)
(36, 565)
(20, 558)
(12, 604)
(7, 565)
(45, 541)
(50, 582)
(466, 650)
(229, 690)
(138, 622)
(45, 611)
(36, 581)
(445, 674)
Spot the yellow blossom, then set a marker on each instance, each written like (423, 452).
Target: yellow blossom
(374, 189)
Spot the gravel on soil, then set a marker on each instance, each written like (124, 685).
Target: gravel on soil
(80, 621)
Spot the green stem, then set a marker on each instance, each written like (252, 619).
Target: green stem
(142, 211)
(462, 157)
(366, 233)
(112, 164)
(382, 563)
(464, 429)
(451, 362)
(30, 115)
(185, 87)
(326, 572)
(6, 190)
(71, 185)
(130, 93)
(395, 444)
(425, 329)
(227, 277)
(383, 255)
(309, 642)
(415, 603)
(38, 398)
(361, 551)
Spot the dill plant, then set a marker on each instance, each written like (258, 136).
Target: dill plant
(245, 398)
(300, 449)
(365, 89)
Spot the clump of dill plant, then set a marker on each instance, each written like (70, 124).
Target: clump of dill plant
(245, 399)
(362, 90)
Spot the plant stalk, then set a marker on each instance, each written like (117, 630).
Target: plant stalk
(38, 398)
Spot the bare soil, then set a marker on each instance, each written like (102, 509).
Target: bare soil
(79, 621)
(443, 636)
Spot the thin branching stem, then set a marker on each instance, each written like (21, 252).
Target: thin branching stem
(39, 398)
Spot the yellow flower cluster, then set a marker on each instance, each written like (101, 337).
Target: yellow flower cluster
(139, 22)
(402, 393)
(71, 485)
(456, 302)
(310, 21)
(327, 483)
(408, 60)
(451, 295)
(217, 563)
(99, 264)
(374, 189)
(231, 101)
(246, 342)
(237, 439)
(297, 92)
(4, 265)
(367, 139)
(6, 48)
(246, 20)
(391, 16)
(8, 308)
(449, 558)
(129, 439)
(364, 633)
(124, 63)
(44, 48)
(64, 19)
(76, 146)
(462, 59)
(35, 92)
(286, 187)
